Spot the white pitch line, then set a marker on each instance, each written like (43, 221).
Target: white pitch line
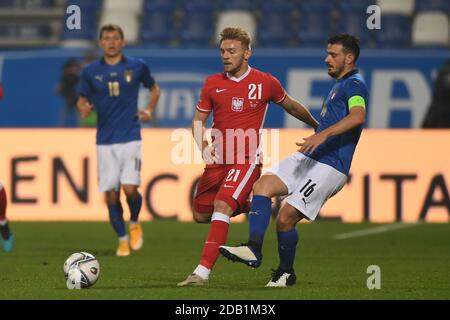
(376, 230)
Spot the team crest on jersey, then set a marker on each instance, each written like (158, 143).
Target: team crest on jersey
(237, 104)
(128, 74)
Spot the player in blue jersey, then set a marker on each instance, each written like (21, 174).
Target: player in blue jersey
(110, 86)
(316, 172)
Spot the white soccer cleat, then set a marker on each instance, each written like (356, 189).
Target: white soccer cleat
(243, 254)
(193, 280)
(281, 278)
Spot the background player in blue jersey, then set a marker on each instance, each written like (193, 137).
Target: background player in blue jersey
(111, 86)
(315, 173)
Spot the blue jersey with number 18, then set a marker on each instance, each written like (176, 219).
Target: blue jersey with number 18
(113, 90)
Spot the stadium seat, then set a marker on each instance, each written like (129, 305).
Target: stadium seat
(200, 6)
(405, 7)
(314, 29)
(234, 5)
(122, 6)
(433, 5)
(395, 32)
(127, 20)
(157, 29)
(166, 6)
(278, 6)
(275, 30)
(354, 6)
(317, 6)
(237, 18)
(196, 30)
(431, 29)
(351, 23)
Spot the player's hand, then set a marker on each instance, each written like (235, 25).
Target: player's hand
(209, 155)
(144, 115)
(85, 110)
(311, 143)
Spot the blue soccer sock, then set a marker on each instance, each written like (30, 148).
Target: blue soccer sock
(116, 219)
(259, 218)
(135, 207)
(287, 244)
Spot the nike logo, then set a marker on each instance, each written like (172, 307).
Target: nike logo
(254, 212)
(220, 90)
(227, 186)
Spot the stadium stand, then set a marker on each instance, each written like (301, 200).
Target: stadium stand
(425, 26)
(196, 23)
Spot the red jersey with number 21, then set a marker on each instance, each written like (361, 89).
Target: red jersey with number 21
(239, 107)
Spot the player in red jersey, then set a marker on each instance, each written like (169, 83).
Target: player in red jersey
(6, 236)
(238, 99)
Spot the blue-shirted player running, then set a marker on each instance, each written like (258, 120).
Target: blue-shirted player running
(315, 173)
(111, 86)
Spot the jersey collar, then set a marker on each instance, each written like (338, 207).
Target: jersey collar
(124, 59)
(241, 77)
(349, 74)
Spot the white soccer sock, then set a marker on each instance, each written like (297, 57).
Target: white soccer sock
(3, 222)
(124, 237)
(202, 271)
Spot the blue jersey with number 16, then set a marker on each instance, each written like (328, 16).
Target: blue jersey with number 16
(113, 90)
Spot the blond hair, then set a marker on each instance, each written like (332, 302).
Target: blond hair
(236, 33)
(109, 28)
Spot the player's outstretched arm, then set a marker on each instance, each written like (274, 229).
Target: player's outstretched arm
(147, 114)
(84, 107)
(198, 132)
(356, 117)
(298, 110)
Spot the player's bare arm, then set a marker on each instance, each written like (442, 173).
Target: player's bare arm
(84, 107)
(356, 117)
(147, 114)
(298, 110)
(198, 132)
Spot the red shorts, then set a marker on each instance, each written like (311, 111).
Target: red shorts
(229, 183)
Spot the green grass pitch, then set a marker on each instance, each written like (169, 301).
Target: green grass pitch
(414, 262)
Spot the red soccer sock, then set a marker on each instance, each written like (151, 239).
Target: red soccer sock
(217, 236)
(2, 204)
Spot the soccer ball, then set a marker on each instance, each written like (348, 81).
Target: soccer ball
(81, 270)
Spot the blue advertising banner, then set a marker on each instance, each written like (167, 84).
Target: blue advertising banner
(400, 83)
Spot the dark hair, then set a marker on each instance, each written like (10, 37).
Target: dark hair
(349, 43)
(110, 27)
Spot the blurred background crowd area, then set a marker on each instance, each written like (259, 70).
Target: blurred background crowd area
(406, 62)
(196, 23)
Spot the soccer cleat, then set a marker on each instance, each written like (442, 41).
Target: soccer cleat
(8, 244)
(282, 278)
(136, 236)
(244, 254)
(124, 248)
(193, 280)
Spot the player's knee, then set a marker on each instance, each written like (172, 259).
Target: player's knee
(260, 188)
(201, 217)
(223, 207)
(285, 222)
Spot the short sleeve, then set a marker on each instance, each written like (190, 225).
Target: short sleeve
(146, 78)
(277, 91)
(356, 93)
(84, 88)
(205, 103)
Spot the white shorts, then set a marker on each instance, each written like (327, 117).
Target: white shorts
(310, 183)
(118, 164)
